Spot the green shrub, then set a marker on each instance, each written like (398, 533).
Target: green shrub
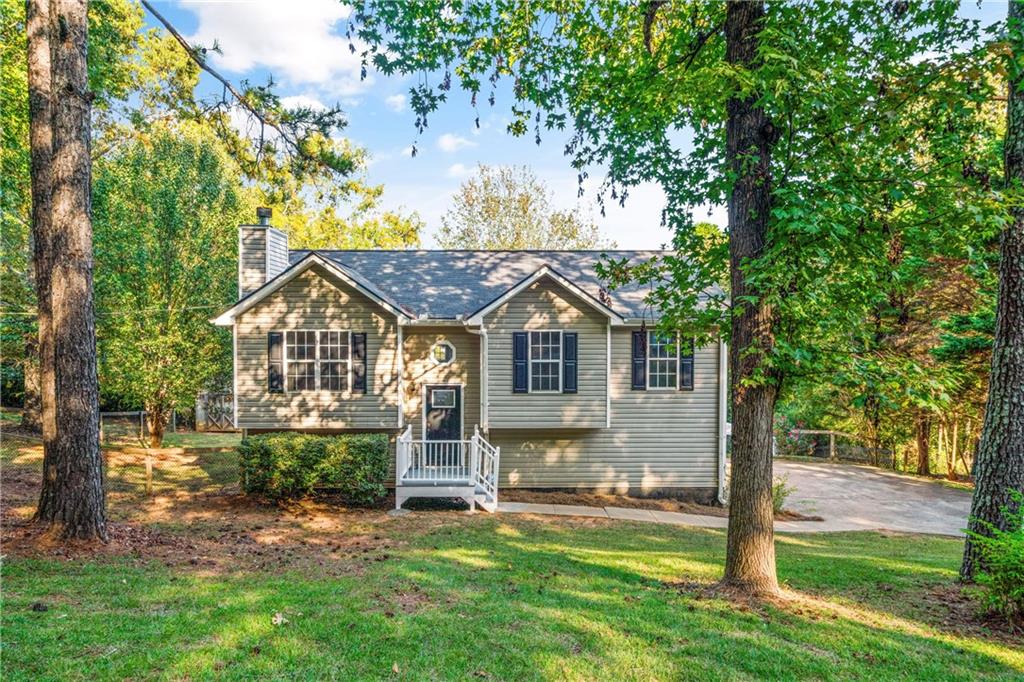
(1001, 580)
(781, 490)
(290, 465)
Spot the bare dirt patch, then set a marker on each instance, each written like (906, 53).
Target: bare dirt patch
(656, 503)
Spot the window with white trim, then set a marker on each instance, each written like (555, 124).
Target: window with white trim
(317, 359)
(546, 362)
(442, 353)
(662, 361)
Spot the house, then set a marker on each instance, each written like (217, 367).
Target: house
(491, 369)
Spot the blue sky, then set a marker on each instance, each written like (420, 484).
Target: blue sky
(302, 43)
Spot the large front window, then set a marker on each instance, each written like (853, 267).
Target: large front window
(317, 359)
(662, 361)
(545, 362)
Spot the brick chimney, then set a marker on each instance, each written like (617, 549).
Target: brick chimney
(262, 253)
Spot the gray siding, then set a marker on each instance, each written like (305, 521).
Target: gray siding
(420, 370)
(317, 300)
(657, 439)
(547, 306)
(277, 252)
(252, 259)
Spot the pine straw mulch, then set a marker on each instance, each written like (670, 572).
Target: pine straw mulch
(587, 499)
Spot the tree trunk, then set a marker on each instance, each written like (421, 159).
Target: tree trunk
(40, 104)
(923, 432)
(750, 552)
(157, 418)
(951, 469)
(999, 465)
(72, 495)
(32, 407)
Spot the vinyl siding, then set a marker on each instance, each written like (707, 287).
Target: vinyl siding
(317, 300)
(547, 306)
(657, 439)
(420, 370)
(277, 255)
(252, 272)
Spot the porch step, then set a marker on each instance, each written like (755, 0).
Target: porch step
(485, 502)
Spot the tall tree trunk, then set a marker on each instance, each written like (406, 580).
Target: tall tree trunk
(750, 552)
(999, 466)
(72, 495)
(32, 406)
(923, 433)
(40, 106)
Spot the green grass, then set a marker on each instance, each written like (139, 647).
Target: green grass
(197, 439)
(504, 598)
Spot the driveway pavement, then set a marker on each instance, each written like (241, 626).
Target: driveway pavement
(852, 497)
(848, 497)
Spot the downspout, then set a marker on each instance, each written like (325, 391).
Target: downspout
(401, 373)
(484, 420)
(723, 418)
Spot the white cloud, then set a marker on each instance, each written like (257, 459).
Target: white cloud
(458, 170)
(395, 102)
(296, 101)
(296, 41)
(407, 151)
(450, 143)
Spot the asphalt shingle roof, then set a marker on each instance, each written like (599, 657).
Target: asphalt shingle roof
(450, 284)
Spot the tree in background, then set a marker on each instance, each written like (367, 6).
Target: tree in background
(999, 468)
(791, 107)
(508, 207)
(166, 211)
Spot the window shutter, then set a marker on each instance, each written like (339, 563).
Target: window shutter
(569, 362)
(359, 363)
(520, 366)
(275, 362)
(686, 367)
(639, 361)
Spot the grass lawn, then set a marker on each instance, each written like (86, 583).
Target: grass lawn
(192, 580)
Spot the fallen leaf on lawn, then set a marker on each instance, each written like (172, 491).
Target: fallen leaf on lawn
(279, 619)
(394, 668)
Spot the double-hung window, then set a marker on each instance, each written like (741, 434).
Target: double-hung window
(317, 360)
(546, 362)
(662, 361)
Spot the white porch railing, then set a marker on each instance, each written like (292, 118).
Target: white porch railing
(472, 462)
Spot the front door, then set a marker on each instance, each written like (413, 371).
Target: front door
(442, 421)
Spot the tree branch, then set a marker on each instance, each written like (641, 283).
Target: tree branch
(263, 117)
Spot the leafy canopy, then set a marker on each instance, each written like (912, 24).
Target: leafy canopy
(850, 88)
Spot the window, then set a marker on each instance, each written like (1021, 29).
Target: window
(315, 358)
(662, 361)
(442, 353)
(443, 398)
(545, 362)
(334, 361)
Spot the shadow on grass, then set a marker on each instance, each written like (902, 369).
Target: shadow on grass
(520, 599)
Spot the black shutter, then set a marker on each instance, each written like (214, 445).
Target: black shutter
(569, 362)
(520, 366)
(639, 361)
(686, 366)
(359, 363)
(275, 362)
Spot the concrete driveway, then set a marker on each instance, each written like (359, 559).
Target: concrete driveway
(852, 497)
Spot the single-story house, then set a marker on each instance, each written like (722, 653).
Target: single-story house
(490, 369)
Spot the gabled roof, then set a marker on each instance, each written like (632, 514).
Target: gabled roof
(455, 284)
(542, 272)
(297, 267)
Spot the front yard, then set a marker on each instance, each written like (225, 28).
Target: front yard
(198, 582)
